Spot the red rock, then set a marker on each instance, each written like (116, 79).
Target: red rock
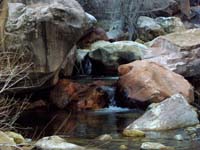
(93, 35)
(76, 96)
(145, 81)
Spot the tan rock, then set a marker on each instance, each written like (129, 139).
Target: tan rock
(133, 133)
(18, 138)
(147, 81)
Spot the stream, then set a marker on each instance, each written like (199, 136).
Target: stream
(83, 128)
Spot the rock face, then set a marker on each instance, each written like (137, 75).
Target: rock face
(75, 96)
(108, 56)
(45, 32)
(174, 112)
(180, 52)
(144, 81)
(148, 28)
(55, 143)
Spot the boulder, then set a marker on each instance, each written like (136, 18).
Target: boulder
(76, 96)
(44, 34)
(106, 58)
(173, 113)
(148, 28)
(170, 24)
(55, 143)
(179, 51)
(143, 82)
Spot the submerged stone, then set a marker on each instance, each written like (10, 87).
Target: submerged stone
(133, 133)
(154, 146)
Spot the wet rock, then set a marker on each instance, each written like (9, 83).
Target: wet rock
(27, 33)
(106, 58)
(18, 138)
(55, 143)
(179, 51)
(143, 82)
(170, 24)
(154, 146)
(148, 28)
(91, 36)
(133, 133)
(105, 137)
(174, 112)
(76, 96)
(178, 137)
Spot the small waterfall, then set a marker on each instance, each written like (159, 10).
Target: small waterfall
(112, 101)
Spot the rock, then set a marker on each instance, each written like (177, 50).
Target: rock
(178, 137)
(91, 20)
(123, 147)
(154, 146)
(76, 96)
(179, 51)
(55, 143)
(191, 130)
(148, 28)
(44, 34)
(133, 133)
(91, 36)
(5, 139)
(18, 138)
(105, 137)
(99, 44)
(117, 14)
(117, 35)
(173, 113)
(170, 24)
(143, 82)
(106, 59)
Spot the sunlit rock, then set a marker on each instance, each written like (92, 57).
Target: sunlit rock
(55, 143)
(143, 82)
(173, 113)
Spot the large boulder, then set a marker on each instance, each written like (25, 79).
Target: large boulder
(76, 96)
(179, 51)
(173, 113)
(44, 33)
(147, 82)
(107, 57)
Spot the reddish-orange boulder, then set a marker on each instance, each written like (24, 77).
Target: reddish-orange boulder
(77, 96)
(144, 81)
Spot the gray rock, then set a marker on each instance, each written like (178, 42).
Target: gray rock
(110, 55)
(170, 24)
(45, 33)
(148, 28)
(174, 112)
(55, 143)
